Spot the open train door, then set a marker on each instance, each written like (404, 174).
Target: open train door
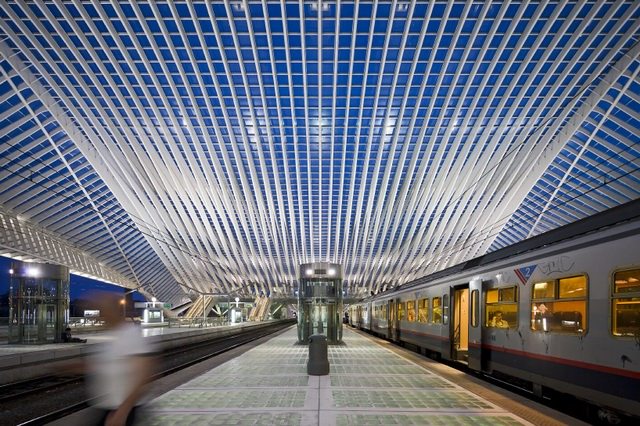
(460, 323)
(475, 326)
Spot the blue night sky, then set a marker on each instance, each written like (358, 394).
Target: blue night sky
(79, 285)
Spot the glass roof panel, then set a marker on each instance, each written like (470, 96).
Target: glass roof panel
(247, 138)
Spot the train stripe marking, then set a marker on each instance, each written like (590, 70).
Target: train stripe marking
(562, 361)
(525, 273)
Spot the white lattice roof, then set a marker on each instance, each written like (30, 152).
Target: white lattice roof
(218, 145)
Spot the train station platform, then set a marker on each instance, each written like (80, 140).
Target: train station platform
(24, 362)
(370, 383)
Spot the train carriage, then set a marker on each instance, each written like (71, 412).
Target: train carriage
(560, 311)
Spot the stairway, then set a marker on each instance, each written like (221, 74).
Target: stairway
(260, 311)
(195, 311)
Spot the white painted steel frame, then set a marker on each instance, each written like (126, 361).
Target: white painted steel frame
(179, 151)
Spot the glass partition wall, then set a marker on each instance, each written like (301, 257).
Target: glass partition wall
(38, 302)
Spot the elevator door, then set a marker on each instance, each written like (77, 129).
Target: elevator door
(319, 318)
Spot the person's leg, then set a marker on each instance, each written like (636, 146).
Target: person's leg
(131, 418)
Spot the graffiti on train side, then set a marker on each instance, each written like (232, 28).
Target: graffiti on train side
(559, 264)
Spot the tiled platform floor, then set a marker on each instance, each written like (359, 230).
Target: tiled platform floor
(367, 385)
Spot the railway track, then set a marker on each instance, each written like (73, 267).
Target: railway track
(18, 390)
(45, 399)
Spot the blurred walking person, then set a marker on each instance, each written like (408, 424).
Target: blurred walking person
(119, 372)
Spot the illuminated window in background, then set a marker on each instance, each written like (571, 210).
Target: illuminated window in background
(560, 305)
(436, 318)
(400, 311)
(411, 310)
(501, 307)
(625, 303)
(423, 310)
(474, 308)
(445, 309)
(544, 290)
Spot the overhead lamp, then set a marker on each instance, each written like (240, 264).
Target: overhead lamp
(315, 6)
(11, 271)
(331, 271)
(309, 272)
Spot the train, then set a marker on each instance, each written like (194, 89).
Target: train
(558, 313)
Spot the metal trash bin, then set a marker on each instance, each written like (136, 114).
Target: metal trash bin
(318, 364)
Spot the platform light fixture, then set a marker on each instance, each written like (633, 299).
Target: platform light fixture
(309, 271)
(331, 271)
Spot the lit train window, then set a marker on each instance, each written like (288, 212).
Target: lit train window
(436, 316)
(544, 290)
(474, 308)
(423, 310)
(501, 307)
(445, 309)
(411, 310)
(560, 305)
(625, 303)
(400, 311)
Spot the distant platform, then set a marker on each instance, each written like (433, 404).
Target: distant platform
(23, 362)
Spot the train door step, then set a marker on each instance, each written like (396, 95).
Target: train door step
(462, 356)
